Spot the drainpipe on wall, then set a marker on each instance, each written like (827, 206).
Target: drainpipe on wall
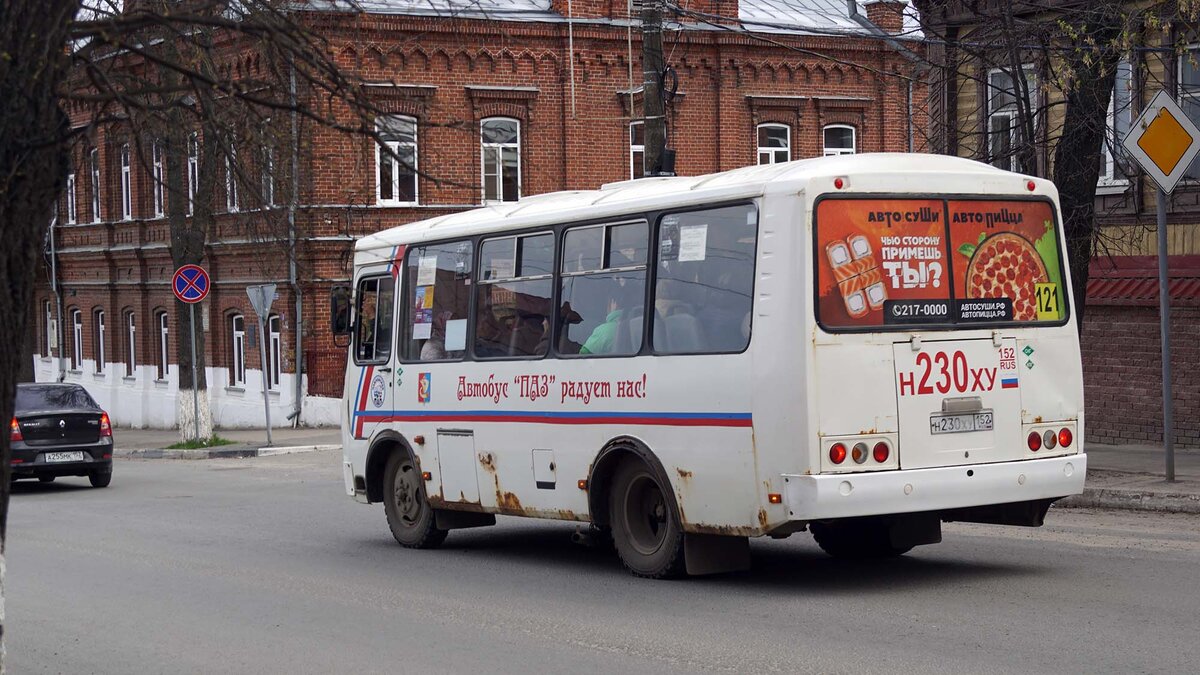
(920, 65)
(298, 404)
(58, 341)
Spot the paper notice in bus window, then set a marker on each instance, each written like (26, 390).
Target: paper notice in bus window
(422, 331)
(693, 242)
(427, 270)
(456, 334)
(1007, 250)
(881, 261)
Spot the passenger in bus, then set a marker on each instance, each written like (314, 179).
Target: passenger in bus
(434, 348)
(620, 306)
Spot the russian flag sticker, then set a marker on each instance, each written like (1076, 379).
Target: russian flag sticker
(1008, 382)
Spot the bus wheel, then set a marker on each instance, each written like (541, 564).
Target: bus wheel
(857, 538)
(645, 532)
(409, 514)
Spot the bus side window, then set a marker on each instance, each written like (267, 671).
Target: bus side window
(705, 283)
(438, 297)
(373, 323)
(515, 291)
(603, 289)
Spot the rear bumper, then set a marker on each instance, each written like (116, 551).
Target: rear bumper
(30, 461)
(915, 490)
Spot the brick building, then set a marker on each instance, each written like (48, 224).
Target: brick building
(975, 105)
(492, 100)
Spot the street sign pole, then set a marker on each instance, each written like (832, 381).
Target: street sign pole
(195, 388)
(1164, 141)
(1164, 312)
(262, 359)
(261, 298)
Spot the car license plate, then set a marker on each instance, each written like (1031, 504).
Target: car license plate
(954, 424)
(76, 456)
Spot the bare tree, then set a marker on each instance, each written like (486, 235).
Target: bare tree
(159, 71)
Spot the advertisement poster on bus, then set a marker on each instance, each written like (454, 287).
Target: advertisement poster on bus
(887, 262)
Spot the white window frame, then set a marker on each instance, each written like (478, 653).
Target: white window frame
(231, 186)
(193, 169)
(49, 329)
(394, 146)
(164, 346)
(499, 149)
(99, 335)
(131, 344)
(237, 324)
(76, 339)
(772, 152)
(157, 178)
(94, 159)
(637, 151)
(830, 152)
(1109, 177)
(72, 214)
(268, 177)
(1012, 115)
(1188, 97)
(274, 325)
(126, 184)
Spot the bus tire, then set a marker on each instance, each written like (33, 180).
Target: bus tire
(857, 539)
(409, 515)
(645, 530)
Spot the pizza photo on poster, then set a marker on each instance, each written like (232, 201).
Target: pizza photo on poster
(884, 261)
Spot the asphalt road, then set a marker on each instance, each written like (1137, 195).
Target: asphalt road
(264, 566)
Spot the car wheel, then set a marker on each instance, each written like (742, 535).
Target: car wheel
(645, 531)
(99, 480)
(859, 538)
(409, 514)
(45, 479)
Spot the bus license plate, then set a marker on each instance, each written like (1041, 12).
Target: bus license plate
(64, 456)
(954, 424)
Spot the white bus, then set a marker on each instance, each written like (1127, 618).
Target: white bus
(862, 346)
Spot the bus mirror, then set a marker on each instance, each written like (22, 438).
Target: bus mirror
(339, 310)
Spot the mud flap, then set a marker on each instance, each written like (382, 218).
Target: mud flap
(917, 529)
(714, 554)
(458, 520)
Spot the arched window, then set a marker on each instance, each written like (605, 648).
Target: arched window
(637, 149)
(231, 179)
(98, 338)
(839, 140)
(237, 361)
(130, 345)
(774, 143)
(274, 345)
(193, 169)
(396, 159)
(126, 185)
(94, 170)
(72, 213)
(164, 354)
(500, 159)
(76, 339)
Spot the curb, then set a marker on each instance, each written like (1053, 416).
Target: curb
(227, 453)
(1133, 500)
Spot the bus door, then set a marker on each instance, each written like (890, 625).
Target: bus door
(371, 379)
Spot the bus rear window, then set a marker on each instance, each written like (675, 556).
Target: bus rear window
(893, 263)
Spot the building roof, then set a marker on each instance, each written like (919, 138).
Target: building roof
(1133, 280)
(766, 16)
(956, 174)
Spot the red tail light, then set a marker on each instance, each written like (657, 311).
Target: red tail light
(1065, 437)
(105, 426)
(16, 431)
(837, 453)
(1035, 441)
(881, 452)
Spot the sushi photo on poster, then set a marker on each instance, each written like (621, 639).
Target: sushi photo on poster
(885, 262)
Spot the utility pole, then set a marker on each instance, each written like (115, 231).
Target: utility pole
(652, 95)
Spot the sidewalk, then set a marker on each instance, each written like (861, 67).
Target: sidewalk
(1134, 477)
(151, 443)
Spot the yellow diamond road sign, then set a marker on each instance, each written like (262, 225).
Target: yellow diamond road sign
(1163, 141)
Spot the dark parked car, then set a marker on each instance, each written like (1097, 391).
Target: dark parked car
(59, 430)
